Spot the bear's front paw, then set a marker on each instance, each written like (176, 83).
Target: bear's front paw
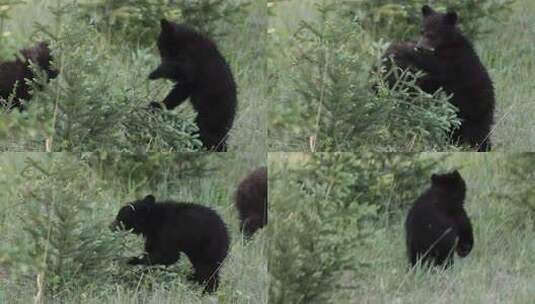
(134, 261)
(154, 107)
(464, 249)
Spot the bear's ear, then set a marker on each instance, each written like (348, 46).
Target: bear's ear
(43, 45)
(149, 199)
(451, 18)
(42, 54)
(435, 179)
(166, 26)
(427, 10)
(456, 173)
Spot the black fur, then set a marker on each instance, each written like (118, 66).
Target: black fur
(450, 61)
(437, 223)
(13, 73)
(201, 73)
(170, 228)
(251, 202)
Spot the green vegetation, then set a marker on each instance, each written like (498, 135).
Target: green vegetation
(396, 18)
(336, 101)
(105, 51)
(56, 244)
(338, 229)
(321, 55)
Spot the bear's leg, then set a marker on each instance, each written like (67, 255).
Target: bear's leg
(174, 70)
(445, 260)
(443, 253)
(177, 96)
(413, 258)
(465, 234)
(214, 141)
(156, 258)
(417, 254)
(485, 146)
(429, 84)
(475, 134)
(250, 225)
(210, 137)
(206, 274)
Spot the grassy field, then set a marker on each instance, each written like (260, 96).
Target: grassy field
(127, 68)
(508, 53)
(500, 269)
(96, 196)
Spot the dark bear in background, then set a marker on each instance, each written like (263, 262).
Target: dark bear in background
(201, 73)
(251, 202)
(450, 61)
(437, 223)
(13, 73)
(170, 228)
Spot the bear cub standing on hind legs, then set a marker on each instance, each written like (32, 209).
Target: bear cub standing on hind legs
(201, 73)
(437, 223)
(251, 202)
(13, 73)
(450, 61)
(171, 228)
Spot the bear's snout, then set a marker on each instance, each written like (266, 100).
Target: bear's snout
(424, 46)
(115, 225)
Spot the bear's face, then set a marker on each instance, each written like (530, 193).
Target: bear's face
(438, 30)
(133, 216)
(41, 56)
(452, 184)
(175, 44)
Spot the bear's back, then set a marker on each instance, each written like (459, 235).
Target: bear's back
(252, 191)
(427, 220)
(192, 225)
(11, 73)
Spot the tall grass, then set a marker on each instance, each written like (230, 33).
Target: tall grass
(128, 66)
(244, 273)
(500, 269)
(508, 54)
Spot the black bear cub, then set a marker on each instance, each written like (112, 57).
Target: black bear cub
(171, 228)
(449, 60)
(251, 202)
(437, 223)
(201, 73)
(13, 73)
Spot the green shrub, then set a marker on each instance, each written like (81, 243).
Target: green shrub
(410, 119)
(337, 109)
(138, 21)
(314, 239)
(388, 181)
(5, 8)
(328, 208)
(64, 241)
(148, 170)
(92, 107)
